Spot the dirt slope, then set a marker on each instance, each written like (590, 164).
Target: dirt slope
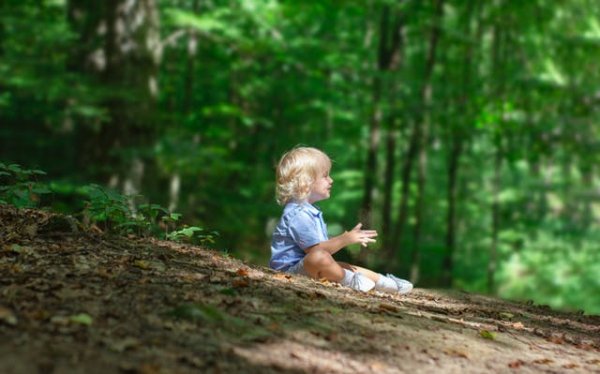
(73, 302)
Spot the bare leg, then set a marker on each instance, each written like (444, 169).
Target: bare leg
(369, 273)
(319, 263)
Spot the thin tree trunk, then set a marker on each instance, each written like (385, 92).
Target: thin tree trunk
(388, 55)
(371, 163)
(390, 166)
(497, 55)
(453, 165)
(407, 166)
(457, 138)
(121, 48)
(426, 97)
(188, 100)
(587, 179)
(390, 43)
(190, 74)
(493, 260)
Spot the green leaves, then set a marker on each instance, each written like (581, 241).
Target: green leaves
(192, 234)
(82, 319)
(487, 334)
(19, 187)
(214, 23)
(198, 312)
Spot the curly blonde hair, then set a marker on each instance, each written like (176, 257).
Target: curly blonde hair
(297, 171)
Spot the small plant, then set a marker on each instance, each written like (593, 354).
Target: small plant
(193, 234)
(19, 186)
(109, 208)
(118, 213)
(104, 207)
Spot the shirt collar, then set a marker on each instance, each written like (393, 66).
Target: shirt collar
(315, 211)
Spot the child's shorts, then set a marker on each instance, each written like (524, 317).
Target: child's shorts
(297, 268)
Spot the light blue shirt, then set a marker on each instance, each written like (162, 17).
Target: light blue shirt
(301, 226)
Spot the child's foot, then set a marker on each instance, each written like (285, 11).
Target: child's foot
(403, 285)
(361, 282)
(357, 281)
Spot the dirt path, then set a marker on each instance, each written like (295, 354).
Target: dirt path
(77, 302)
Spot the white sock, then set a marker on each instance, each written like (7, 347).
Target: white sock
(357, 281)
(385, 284)
(347, 280)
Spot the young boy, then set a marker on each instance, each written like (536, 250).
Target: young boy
(300, 243)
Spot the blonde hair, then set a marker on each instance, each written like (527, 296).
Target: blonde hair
(297, 171)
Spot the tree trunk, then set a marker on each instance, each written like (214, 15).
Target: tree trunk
(453, 164)
(190, 68)
(390, 166)
(390, 44)
(188, 100)
(426, 96)
(493, 260)
(458, 134)
(122, 50)
(497, 55)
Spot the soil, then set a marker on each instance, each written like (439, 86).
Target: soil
(78, 301)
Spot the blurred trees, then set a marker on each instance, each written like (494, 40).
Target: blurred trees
(473, 126)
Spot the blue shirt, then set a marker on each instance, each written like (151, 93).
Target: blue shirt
(301, 226)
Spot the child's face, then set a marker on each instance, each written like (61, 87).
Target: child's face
(321, 189)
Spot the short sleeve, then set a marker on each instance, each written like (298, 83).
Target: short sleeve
(304, 231)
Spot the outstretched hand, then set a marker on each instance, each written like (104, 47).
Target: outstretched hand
(364, 237)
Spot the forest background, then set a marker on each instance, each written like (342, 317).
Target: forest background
(466, 132)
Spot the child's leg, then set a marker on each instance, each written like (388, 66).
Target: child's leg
(320, 264)
(369, 273)
(384, 283)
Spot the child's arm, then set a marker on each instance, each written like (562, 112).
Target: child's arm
(356, 235)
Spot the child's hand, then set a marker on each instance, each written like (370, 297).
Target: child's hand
(356, 235)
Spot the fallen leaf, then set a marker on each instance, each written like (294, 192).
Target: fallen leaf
(238, 283)
(585, 346)
(282, 276)
(518, 326)
(556, 339)
(122, 345)
(82, 319)
(149, 369)
(242, 272)
(149, 265)
(37, 315)
(455, 353)
(570, 366)
(487, 334)
(142, 264)
(377, 366)
(59, 320)
(543, 361)
(216, 279)
(7, 316)
(387, 308)
(31, 230)
(516, 364)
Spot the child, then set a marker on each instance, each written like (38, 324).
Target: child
(300, 243)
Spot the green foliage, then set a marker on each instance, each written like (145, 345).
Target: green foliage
(550, 270)
(119, 214)
(19, 187)
(192, 234)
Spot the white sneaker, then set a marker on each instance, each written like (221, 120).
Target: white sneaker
(361, 282)
(404, 286)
